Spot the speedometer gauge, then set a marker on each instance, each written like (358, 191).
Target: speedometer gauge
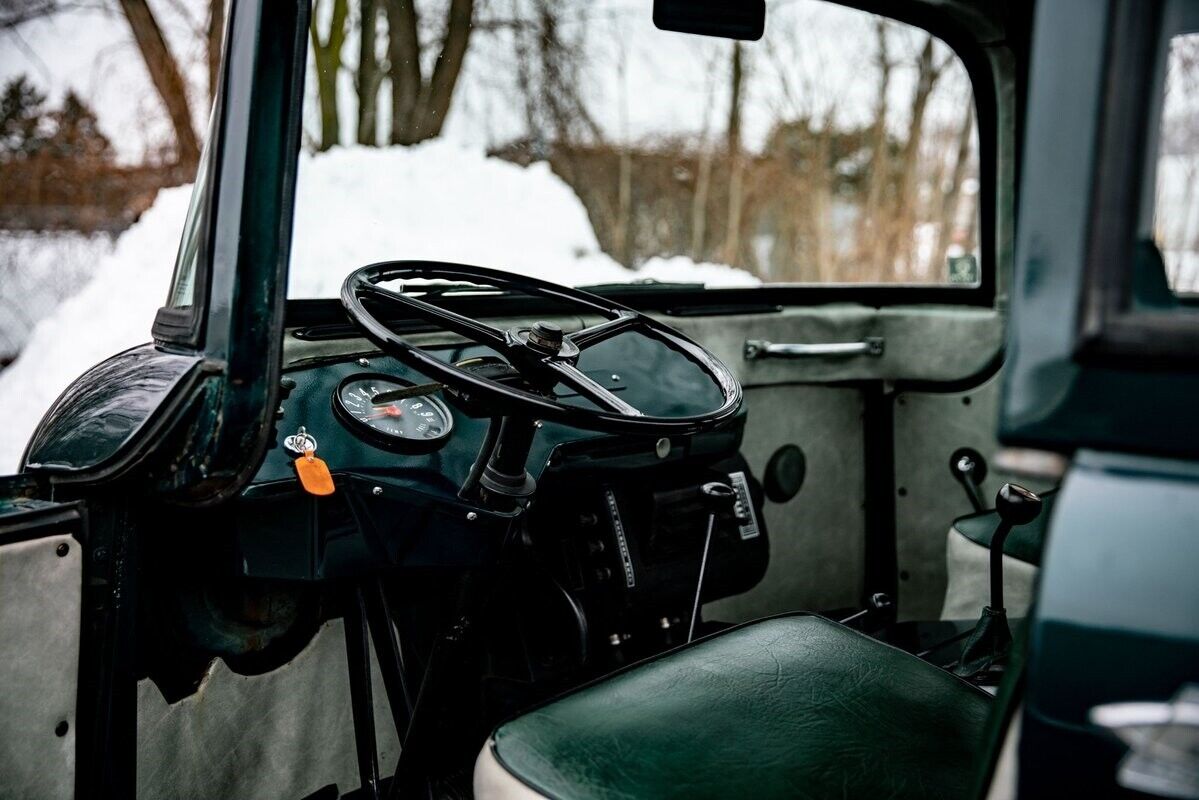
(412, 424)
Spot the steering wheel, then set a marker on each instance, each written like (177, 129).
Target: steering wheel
(542, 353)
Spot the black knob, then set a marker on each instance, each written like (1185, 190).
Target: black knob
(1017, 505)
(718, 497)
(546, 335)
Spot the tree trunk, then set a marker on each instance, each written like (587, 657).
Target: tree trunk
(699, 205)
(903, 217)
(952, 197)
(436, 95)
(327, 57)
(166, 77)
(369, 76)
(732, 238)
(403, 51)
(215, 41)
(624, 210)
(870, 235)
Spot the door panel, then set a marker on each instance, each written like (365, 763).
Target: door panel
(817, 543)
(41, 569)
(284, 733)
(929, 427)
(821, 540)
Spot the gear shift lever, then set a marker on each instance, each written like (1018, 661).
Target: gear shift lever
(1016, 506)
(989, 643)
(720, 499)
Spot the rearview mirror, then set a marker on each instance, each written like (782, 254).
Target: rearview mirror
(730, 19)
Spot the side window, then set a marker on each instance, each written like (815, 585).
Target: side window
(1176, 205)
(183, 285)
(575, 142)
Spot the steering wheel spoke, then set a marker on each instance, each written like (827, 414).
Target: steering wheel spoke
(603, 397)
(589, 337)
(472, 329)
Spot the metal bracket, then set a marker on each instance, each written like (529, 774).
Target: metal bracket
(1162, 739)
(756, 349)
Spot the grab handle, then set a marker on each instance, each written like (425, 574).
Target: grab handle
(756, 349)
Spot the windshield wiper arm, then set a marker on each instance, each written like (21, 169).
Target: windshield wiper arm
(644, 285)
(427, 290)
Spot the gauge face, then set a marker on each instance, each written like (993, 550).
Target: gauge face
(412, 424)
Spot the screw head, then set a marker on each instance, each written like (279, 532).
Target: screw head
(471, 516)
(62, 549)
(662, 447)
(615, 377)
(362, 362)
(377, 491)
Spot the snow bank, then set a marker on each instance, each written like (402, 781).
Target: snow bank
(37, 272)
(448, 202)
(112, 312)
(355, 206)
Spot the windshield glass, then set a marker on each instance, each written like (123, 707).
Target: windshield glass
(573, 141)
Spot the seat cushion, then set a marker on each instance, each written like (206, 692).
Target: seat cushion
(793, 706)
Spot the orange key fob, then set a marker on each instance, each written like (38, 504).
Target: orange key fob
(314, 474)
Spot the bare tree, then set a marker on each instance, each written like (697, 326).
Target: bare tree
(370, 75)
(732, 239)
(869, 235)
(213, 44)
(953, 187)
(15, 13)
(420, 106)
(326, 53)
(166, 76)
(903, 218)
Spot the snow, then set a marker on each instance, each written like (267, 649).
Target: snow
(1176, 220)
(112, 312)
(448, 202)
(355, 205)
(37, 271)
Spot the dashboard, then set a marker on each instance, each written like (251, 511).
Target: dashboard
(398, 467)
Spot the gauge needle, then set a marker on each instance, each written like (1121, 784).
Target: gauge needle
(389, 411)
(405, 392)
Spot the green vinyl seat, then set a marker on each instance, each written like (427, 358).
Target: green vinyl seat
(792, 706)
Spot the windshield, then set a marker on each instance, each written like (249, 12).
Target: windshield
(572, 141)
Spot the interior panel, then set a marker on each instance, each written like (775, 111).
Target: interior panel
(817, 555)
(285, 733)
(929, 427)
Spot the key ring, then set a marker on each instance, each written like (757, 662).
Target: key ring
(300, 443)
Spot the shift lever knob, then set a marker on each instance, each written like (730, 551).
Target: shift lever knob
(1017, 505)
